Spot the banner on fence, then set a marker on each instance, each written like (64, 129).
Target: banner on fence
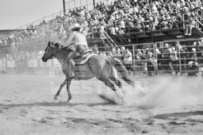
(32, 63)
(49, 63)
(56, 63)
(1, 65)
(11, 63)
(41, 63)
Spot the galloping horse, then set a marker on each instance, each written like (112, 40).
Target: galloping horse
(106, 70)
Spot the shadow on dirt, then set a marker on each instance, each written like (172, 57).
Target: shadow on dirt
(50, 104)
(178, 115)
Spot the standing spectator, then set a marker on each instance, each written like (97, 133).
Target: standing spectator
(118, 51)
(174, 63)
(151, 63)
(122, 52)
(128, 60)
(193, 68)
(166, 59)
(194, 54)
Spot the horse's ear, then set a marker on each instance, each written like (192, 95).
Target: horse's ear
(52, 44)
(49, 43)
(58, 45)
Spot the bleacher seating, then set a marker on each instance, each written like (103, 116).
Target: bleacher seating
(122, 23)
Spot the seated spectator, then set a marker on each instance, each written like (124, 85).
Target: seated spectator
(103, 53)
(113, 52)
(179, 47)
(112, 30)
(139, 54)
(95, 49)
(101, 32)
(1, 43)
(190, 24)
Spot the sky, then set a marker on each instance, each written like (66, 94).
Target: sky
(16, 13)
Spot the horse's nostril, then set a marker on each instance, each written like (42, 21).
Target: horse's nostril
(43, 59)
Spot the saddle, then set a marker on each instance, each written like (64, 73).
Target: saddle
(84, 57)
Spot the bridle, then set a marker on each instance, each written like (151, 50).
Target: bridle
(59, 49)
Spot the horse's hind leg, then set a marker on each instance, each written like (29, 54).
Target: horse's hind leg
(116, 81)
(110, 85)
(59, 91)
(128, 80)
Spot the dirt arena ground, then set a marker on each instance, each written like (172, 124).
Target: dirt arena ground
(156, 106)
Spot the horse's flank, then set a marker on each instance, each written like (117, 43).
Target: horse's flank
(82, 71)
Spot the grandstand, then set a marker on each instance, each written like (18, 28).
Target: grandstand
(164, 28)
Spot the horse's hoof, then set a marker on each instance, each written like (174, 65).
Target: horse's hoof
(68, 100)
(122, 101)
(55, 97)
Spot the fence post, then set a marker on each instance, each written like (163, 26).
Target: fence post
(180, 65)
(183, 22)
(133, 46)
(155, 55)
(64, 7)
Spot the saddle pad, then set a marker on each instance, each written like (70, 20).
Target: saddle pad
(83, 59)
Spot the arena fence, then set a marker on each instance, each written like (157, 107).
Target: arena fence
(89, 4)
(161, 61)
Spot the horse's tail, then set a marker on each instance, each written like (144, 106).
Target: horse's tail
(122, 71)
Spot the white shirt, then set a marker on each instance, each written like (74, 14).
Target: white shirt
(76, 38)
(122, 24)
(128, 57)
(112, 30)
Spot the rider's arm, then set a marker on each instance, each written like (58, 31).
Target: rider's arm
(70, 40)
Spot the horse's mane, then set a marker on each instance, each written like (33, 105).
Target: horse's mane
(64, 51)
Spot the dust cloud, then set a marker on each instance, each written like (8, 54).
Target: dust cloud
(167, 92)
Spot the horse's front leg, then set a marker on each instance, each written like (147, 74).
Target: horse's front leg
(68, 89)
(59, 91)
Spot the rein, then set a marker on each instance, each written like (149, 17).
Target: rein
(59, 49)
(53, 55)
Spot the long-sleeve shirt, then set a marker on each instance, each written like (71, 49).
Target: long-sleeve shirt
(76, 38)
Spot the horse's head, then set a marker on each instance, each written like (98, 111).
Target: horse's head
(51, 50)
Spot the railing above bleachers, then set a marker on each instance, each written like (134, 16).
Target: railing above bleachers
(45, 19)
(199, 18)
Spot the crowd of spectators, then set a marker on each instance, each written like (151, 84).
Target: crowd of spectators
(124, 15)
(119, 17)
